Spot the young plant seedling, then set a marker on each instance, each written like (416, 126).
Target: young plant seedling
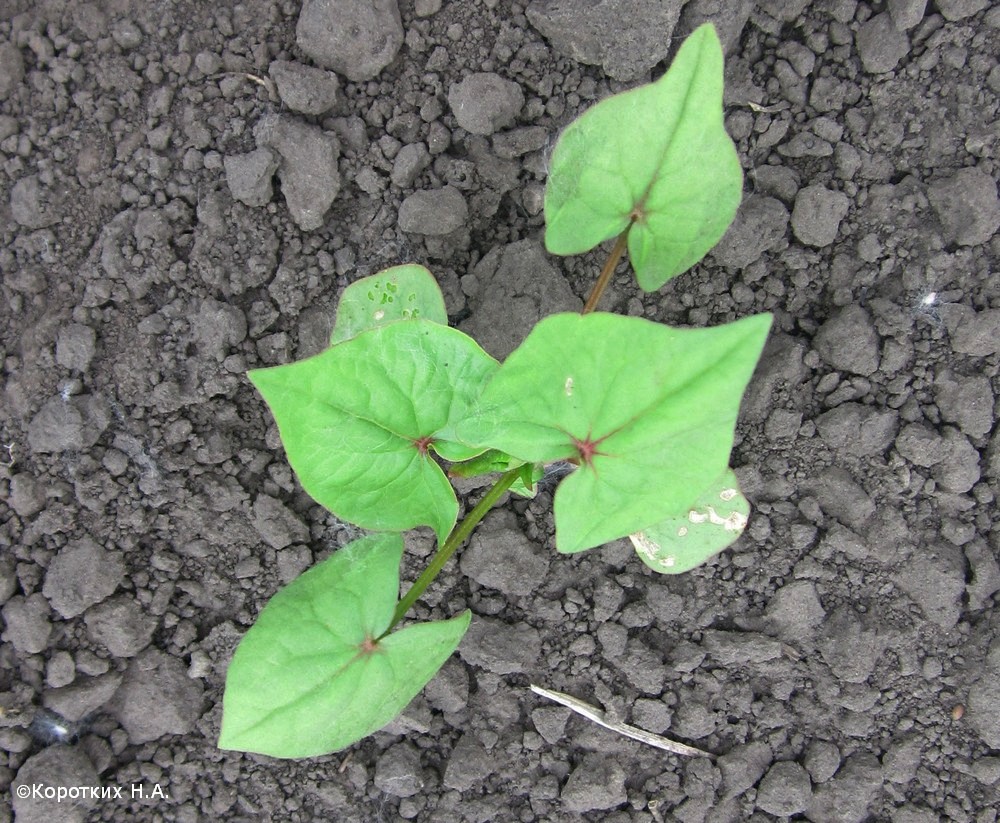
(376, 425)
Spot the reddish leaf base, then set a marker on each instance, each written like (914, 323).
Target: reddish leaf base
(368, 646)
(422, 443)
(586, 450)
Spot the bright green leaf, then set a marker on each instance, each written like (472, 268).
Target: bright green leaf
(359, 422)
(407, 292)
(646, 410)
(310, 678)
(681, 542)
(658, 155)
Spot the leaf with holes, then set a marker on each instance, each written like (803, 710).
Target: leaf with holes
(360, 421)
(313, 676)
(646, 411)
(401, 293)
(681, 542)
(657, 157)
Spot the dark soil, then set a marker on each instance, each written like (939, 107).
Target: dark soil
(842, 660)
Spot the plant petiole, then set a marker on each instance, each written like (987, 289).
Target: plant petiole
(457, 537)
(609, 269)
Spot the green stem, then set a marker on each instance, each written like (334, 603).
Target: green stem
(457, 537)
(609, 269)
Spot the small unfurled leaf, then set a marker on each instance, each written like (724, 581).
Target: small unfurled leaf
(359, 422)
(407, 292)
(526, 484)
(646, 411)
(493, 461)
(657, 157)
(679, 543)
(311, 676)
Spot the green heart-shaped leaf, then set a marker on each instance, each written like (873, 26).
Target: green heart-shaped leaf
(646, 410)
(359, 422)
(407, 292)
(311, 675)
(681, 542)
(657, 157)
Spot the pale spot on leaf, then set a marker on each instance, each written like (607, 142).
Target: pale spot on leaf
(650, 548)
(734, 522)
(569, 386)
(644, 545)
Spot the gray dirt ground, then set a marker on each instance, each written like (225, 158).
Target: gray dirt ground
(842, 660)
